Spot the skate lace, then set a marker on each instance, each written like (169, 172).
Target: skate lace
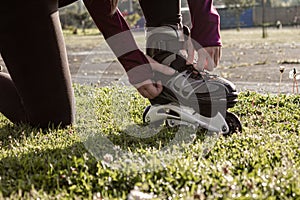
(189, 80)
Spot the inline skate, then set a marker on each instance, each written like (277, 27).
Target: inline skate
(189, 97)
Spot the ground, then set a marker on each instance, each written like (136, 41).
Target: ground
(261, 163)
(250, 61)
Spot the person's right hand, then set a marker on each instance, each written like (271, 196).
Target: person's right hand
(149, 88)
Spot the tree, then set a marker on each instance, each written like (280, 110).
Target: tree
(238, 6)
(75, 16)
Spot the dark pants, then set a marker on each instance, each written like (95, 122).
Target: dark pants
(161, 12)
(38, 88)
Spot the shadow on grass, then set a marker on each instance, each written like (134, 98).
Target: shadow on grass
(11, 132)
(53, 163)
(18, 133)
(43, 159)
(48, 170)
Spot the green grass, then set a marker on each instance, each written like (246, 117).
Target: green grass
(261, 163)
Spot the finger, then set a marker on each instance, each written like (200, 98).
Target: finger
(217, 56)
(142, 84)
(190, 57)
(201, 61)
(159, 87)
(153, 90)
(215, 53)
(145, 94)
(210, 64)
(191, 52)
(210, 57)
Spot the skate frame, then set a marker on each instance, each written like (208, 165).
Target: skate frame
(182, 115)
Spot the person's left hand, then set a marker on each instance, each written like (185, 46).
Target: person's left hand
(208, 58)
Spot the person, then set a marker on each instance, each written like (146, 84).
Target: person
(205, 32)
(38, 89)
(205, 35)
(191, 86)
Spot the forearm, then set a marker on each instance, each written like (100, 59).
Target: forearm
(205, 23)
(118, 36)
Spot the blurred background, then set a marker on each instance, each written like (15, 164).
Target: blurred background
(235, 14)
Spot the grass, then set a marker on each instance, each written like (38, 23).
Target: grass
(261, 163)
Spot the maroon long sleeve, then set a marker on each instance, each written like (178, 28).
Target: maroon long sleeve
(205, 23)
(118, 36)
(205, 32)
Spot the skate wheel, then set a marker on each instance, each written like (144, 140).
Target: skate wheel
(145, 113)
(170, 123)
(234, 123)
(147, 121)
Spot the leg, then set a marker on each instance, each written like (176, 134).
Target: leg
(62, 3)
(33, 49)
(158, 13)
(10, 103)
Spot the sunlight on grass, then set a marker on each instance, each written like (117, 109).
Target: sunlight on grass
(262, 162)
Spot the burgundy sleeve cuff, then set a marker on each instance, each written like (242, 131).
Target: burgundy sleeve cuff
(118, 36)
(207, 33)
(205, 24)
(208, 36)
(136, 66)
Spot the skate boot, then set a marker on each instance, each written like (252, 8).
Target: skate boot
(189, 97)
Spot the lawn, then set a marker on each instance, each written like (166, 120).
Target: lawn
(110, 154)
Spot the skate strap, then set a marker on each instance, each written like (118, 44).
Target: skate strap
(172, 46)
(166, 38)
(169, 59)
(186, 67)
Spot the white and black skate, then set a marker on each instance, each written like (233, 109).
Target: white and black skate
(189, 97)
(195, 99)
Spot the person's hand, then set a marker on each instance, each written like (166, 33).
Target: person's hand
(190, 51)
(149, 88)
(208, 58)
